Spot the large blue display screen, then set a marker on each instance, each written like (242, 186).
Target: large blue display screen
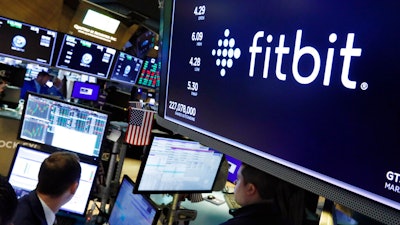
(296, 82)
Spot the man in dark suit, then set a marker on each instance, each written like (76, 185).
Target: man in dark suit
(58, 181)
(8, 202)
(37, 85)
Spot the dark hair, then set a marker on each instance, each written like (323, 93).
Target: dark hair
(58, 172)
(289, 198)
(43, 73)
(265, 183)
(8, 201)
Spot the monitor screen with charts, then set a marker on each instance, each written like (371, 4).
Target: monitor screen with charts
(24, 170)
(59, 124)
(132, 209)
(178, 166)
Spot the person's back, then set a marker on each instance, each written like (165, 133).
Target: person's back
(58, 181)
(8, 202)
(262, 199)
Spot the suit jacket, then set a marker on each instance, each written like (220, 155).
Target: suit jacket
(31, 86)
(29, 211)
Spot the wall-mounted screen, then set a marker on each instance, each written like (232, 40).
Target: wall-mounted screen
(150, 74)
(84, 56)
(60, 124)
(306, 90)
(26, 42)
(126, 68)
(85, 91)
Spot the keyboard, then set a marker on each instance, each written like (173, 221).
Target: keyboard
(230, 201)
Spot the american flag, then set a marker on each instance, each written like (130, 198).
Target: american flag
(139, 126)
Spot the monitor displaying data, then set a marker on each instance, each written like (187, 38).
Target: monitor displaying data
(63, 125)
(149, 76)
(132, 209)
(126, 68)
(177, 165)
(27, 42)
(306, 90)
(24, 170)
(84, 56)
(85, 91)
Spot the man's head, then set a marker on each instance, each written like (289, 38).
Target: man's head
(254, 185)
(8, 201)
(4, 80)
(59, 175)
(43, 77)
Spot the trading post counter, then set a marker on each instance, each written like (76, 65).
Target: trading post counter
(9, 125)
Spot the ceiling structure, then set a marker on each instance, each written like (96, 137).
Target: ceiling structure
(142, 12)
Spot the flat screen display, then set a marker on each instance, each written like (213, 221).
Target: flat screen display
(84, 56)
(309, 85)
(126, 68)
(150, 74)
(27, 42)
(23, 176)
(85, 91)
(132, 209)
(233, 169)
(176, 165)
(60, 124)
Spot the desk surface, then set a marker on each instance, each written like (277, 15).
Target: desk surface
(10, 113)
(207, 212)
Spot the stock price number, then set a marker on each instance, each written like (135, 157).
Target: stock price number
(195, 61)
(193, 87)
(199, 10)
(197, 36)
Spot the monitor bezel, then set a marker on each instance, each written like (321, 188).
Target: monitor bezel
(144, 161)
(352, 200)
(53, 148)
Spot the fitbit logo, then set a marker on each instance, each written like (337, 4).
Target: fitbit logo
(226, 52)
(261, 47)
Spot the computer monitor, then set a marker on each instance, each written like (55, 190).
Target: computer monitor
(27, 42)
(174, 165)
(85, 91)
(234, 165)
(126, 68)
(132, 209)
(85, 57)
(24, 171)
(149, 76)
(56, 123)
(306, 91)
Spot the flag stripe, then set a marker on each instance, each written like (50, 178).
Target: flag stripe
(139, 126)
